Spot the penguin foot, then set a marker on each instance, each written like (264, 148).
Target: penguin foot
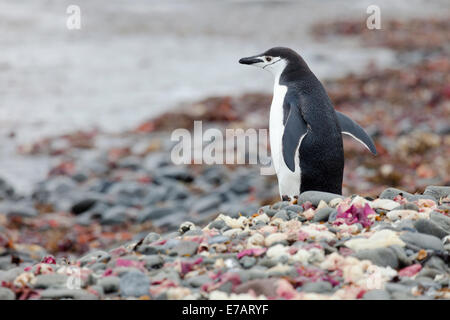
(285, 198)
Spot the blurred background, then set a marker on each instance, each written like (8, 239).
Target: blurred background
(85, 115)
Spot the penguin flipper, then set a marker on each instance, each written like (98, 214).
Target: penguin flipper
(294, 131)
(350, 127)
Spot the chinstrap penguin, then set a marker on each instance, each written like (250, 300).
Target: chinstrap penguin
(305, 130)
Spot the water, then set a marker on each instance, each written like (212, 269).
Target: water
(134, 59)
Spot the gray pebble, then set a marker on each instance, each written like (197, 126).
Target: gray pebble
(377, 295)
(198, 281)
(381, 256)
(315, 196)
(76, 294)
(333, 215)
(53, 280)
(422, 241)
(151, 237)
(437, 192)
(153, 261)
(442, 220)
(185, 248)
(109, 284)
(431, 228)
(135, 284)
(280, 205)
(248, 262)
(217, 224)
(95, 256)
(282, 214)
(218, 239)
(322, 214)
(317, 287)
(154, 213)
(6, 294)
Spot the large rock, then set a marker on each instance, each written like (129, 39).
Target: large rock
(391, 193)
(442, 220)
(422, 241)
(437, 192)
(381, 256)
(315, 196)
(431, 228)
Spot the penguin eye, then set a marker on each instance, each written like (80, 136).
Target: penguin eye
(268, 59)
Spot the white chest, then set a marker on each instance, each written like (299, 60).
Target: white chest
(288, 181)
(276, 127)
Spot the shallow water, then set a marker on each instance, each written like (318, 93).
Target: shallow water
(132, 60)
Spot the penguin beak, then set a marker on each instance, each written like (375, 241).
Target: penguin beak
(251, 60)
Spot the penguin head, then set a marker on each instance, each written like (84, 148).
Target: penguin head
(274, 60)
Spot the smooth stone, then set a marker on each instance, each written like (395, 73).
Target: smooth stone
(437, 263)
(437, 192)
(381, 256)
(109, 284)
(207, 203)
(185, 248)
(218, 239)
(333, 216)
(76, 294)
(423, 241)
(53, 280)
(11, 274)
(429, 272)
(322, 214)
(95, 256)
(294, 207)
(396, 287)
(270, 212)
(151, 237)
(154, 213)
(82, 206)
(198, 281)
(18, 210)
(266, 287)
(391, 193)
(280, 205)
(248, 262)
(7, 294)
(442, 220)
(429, 227)
(315, 196)
(282, 214)
(153, 261)
(384, 204)
(114, 215)
(217, 224)
(401, 255)
(406, 224)
(194, 232)
(134, 284)
(317, 287)
(377, 295)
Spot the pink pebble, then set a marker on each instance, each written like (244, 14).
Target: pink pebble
(410, 271)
